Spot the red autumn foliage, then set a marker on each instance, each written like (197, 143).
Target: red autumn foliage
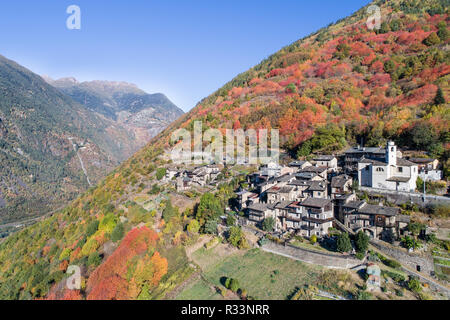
(109, 281)
(419, 96)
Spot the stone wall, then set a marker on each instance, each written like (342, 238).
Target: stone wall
(309, 256)
(408, 259)
(399, 197)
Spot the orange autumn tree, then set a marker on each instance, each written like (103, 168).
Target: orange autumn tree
(135, 257)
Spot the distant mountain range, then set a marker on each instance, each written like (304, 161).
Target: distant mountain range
(52, 146)
(141, 113)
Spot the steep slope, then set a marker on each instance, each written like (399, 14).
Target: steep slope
(144, 115)
(348, 83)
(50, 146)
(341, 83)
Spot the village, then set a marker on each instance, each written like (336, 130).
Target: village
(308, 197)
(361, 190)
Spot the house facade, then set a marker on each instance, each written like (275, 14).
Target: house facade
(379, 222)
(327, 161)
(309, 217)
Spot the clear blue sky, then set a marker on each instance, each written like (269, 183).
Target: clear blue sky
(185, 49)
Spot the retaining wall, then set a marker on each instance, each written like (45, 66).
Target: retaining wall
(309, 256)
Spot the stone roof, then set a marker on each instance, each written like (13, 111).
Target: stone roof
(305, 175)
(354, 204)
(378, 210)
(376, 150)
(315, 202)
(398, 179)
(317, 185)
(324, 158)
(241, 192)
(285, 178)
(373, 162)
(314, 169)
(297, 163)
(261, 207)
(339, 181)
(421, 160)
(405, 163)
(283, 204)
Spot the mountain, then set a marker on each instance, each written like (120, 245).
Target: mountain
(347, 84)
(142, 114)
(52, 147)
(336, 86)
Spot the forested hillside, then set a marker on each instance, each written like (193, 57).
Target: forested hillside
(346, 83)
(331, 88)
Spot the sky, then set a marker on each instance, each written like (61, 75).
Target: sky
(184, 49)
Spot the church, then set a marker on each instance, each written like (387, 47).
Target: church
(393, 173)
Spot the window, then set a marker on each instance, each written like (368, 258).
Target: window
(379, 169)
(400, 169)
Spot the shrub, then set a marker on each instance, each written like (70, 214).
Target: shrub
(361, 242)
(263, 241)
(160, 173)
(92, 228)
(94, 259)
(211, 226)
(234, 285)
(360, 255)
(193, 226)
(268, 224)
(237, 238)
(227, 283)
(343, 243)
(108, 223)
(432, 39)
(364, 295)
(414, 285)
(118, 232)
(65, 254)
(231, 221)
(313, 239)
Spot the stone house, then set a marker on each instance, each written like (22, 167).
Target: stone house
(246, 198)
(281, 193)
(300, 164)
(320, 171)
(309, 217)
(378, 221)
(428, 168)
(340, 185)
(257, 212)
(328, 161)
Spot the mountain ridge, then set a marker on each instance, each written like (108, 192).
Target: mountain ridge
(51, 146)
